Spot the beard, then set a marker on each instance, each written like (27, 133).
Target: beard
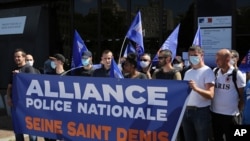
(161, 64)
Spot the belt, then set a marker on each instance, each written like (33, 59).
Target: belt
(195, 108)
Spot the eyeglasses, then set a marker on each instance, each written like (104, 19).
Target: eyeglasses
(145, 60)
(159, 58)
(29, 60)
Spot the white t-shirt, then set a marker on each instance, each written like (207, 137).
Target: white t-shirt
(226, 97)
(201, 76)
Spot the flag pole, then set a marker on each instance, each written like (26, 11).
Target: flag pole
(121, 50)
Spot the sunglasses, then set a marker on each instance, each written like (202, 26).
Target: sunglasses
(159, 58)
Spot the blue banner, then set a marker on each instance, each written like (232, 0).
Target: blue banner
(89, 109)
(245, 63)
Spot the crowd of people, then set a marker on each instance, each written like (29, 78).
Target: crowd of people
(217, 100)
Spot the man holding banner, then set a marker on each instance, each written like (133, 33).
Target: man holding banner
(130, 67)
(197, 120)
(106, 60)
(166, 70)
(22, 67)
(87, 68)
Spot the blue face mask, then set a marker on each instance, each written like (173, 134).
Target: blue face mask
(85, 62)
(195, 60)
(52, 64)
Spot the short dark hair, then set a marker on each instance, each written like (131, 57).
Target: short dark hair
(106, 52)
(196, 48)
(20, 50)
(132, 59)
(146, 54)
(177, 60)
(166, 53)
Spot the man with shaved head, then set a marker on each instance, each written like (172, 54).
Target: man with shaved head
(227, 102)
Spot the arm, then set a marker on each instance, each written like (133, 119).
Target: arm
(9, 90)
(177, 76)
(208, 92)
(240, 84)
(154, 74)
(148, 75)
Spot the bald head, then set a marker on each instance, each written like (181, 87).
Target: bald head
(224, 53)
(223, 57)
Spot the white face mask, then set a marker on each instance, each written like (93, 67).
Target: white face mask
(144, 64)
(232, 62)
(177, 66)
(30, 63)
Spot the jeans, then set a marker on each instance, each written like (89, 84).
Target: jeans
(222, 125)
(19, 137)
(32, 138)
(47, 139)
(196, 124)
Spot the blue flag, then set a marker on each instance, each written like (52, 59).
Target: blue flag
(197, 39)
(170, 43)
(115, 71)
(129, 49)
(245, 63)
(135, 33)
(78, 48)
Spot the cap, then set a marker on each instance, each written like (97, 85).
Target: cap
(86, 54)
(177, 59)
(58, 57)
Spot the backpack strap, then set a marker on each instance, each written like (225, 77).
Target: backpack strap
(216, 71)
(234, 74)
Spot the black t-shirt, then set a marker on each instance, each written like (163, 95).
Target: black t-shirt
(23, 69)
(55, 73)
(83, 72)
(165, 75)
(101, 72)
